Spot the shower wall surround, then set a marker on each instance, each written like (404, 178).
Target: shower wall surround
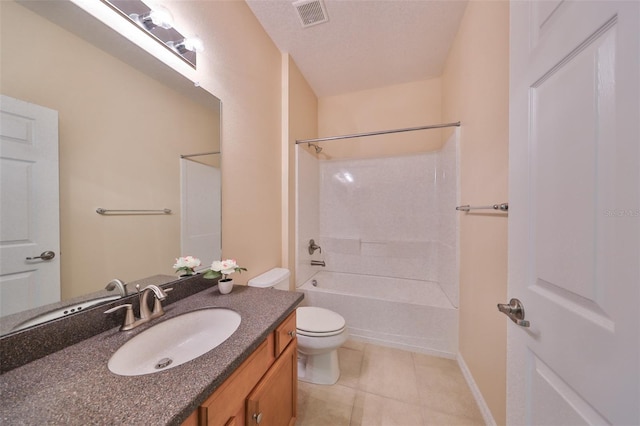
(307, 212)
(447, 190)
(390, 217)
(388, 229)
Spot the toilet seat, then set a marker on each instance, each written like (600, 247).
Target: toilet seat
(325, 334)
(313, 321)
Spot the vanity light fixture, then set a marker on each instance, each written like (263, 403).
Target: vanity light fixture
(158, 24)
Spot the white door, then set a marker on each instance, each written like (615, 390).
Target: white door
(574, 213)
(29, 206)
(201, 220)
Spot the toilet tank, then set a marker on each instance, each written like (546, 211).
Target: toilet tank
(274, 278)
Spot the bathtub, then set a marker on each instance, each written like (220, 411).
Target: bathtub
(407, 314)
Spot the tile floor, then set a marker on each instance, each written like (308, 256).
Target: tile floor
(390, 387)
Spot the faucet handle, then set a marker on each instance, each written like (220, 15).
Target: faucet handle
(129, 318)
(313, 247)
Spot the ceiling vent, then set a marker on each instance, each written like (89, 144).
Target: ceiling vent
(311, 12)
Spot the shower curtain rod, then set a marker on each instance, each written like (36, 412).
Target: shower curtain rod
(198, 155)
(379, 132)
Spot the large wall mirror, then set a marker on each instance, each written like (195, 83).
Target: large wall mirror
(121, 136)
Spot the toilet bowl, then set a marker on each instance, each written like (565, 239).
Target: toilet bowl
(320, 332)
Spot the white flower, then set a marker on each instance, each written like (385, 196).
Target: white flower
(222, 268)
(189, 262)
(225, 267)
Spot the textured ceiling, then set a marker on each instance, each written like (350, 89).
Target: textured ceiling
(366, 43)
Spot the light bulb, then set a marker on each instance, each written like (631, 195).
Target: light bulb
(154, 18)
(193, 44)
(161, 18)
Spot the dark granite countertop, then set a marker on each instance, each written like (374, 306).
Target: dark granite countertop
(74, 386)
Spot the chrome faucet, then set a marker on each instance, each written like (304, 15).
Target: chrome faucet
(313, 247)
(130, 320)
(119, 284)
(160, 295)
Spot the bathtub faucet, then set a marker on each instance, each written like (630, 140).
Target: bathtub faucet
(318, 263)
(313, 247)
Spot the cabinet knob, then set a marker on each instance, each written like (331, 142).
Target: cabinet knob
(257, 417)
(292, 333)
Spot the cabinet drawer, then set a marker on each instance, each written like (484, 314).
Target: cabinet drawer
(285, 333)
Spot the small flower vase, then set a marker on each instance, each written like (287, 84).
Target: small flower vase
(187, 273)
(225, 286)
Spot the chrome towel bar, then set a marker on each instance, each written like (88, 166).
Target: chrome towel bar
(502, 207)
(199, 154)
(100, 210)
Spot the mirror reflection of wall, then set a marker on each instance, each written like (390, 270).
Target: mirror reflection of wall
(201, 209)
(121, 134)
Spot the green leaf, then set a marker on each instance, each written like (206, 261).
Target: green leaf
(210, 275)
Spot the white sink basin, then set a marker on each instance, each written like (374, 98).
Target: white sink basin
(174, 342)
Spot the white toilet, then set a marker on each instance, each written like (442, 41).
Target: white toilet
(320, 333)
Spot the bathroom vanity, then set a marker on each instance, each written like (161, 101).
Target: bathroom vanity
(249, 378)
(262, 390)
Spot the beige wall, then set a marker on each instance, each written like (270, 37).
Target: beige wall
(300, 110)
(120, 137)
(475, 90)
(392, 107)
(242, 66)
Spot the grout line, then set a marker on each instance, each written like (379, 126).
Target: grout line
(421, 405)
(357, 389)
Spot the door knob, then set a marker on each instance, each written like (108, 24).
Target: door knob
(515, 311)
(45, 255)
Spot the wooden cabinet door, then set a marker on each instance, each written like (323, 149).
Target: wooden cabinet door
(226, 404)
(273, 402)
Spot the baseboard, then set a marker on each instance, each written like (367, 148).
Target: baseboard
(482, 405)
(359, 336)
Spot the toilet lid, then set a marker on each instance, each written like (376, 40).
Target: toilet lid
(318, 320)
